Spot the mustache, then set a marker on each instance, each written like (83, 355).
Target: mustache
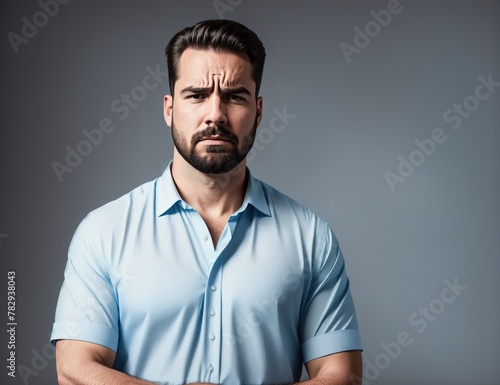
(215, 131)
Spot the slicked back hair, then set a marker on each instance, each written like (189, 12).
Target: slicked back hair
(220, 36)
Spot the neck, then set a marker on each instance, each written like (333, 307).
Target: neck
(215, 195)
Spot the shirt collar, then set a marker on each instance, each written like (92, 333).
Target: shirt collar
(167, 195)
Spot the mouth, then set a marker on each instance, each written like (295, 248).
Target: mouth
(215, 140)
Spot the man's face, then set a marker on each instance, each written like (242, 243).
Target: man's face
(215, 108)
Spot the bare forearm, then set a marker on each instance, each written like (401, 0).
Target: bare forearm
(331, 380)
(93, 373)
(96, 374)
(343, 368)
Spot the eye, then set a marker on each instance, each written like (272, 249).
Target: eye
(235, 97)
(195, 96)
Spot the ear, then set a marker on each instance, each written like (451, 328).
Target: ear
(168, 103)
(259, 110)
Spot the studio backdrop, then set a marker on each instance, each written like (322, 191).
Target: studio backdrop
(381, 116)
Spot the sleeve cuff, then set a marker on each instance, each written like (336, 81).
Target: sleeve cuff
(334, 342)
(89, 332)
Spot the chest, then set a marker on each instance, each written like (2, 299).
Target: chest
(181, 273)
(215, 226)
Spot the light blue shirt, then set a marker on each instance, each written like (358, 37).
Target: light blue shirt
(143, 279)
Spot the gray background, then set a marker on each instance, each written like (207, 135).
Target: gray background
(352, 122)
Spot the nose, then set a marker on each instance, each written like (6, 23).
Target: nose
(216, 111)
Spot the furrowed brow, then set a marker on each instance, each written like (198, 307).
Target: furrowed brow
(236, 90)
(195, 90)
(228, 90)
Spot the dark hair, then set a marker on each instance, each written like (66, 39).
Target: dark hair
(219, 35)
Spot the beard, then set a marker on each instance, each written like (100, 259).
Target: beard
(217, 159)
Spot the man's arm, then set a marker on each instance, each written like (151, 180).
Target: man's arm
(85, 363)
(335, 369)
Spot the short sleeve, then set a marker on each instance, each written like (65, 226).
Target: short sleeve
(329, 322)
(87, 308)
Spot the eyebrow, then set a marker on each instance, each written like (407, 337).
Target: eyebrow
(227, 90)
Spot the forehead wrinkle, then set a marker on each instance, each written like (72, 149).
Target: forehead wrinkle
(221, 79)
(227, 74)
(228, 78)
(207, 71)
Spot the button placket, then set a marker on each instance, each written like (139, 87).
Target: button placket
(213, 322)
(213, 316)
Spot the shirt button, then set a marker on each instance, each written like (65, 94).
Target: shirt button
(213, 287)
(205, 237)
(210, 368)
(212, 312)
(212, 336)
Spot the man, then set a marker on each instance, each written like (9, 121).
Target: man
(206, 275)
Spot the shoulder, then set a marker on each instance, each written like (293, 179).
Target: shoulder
(118, 212)
(292, 213)
(102, 235)
(283, 203)
(302, 230)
